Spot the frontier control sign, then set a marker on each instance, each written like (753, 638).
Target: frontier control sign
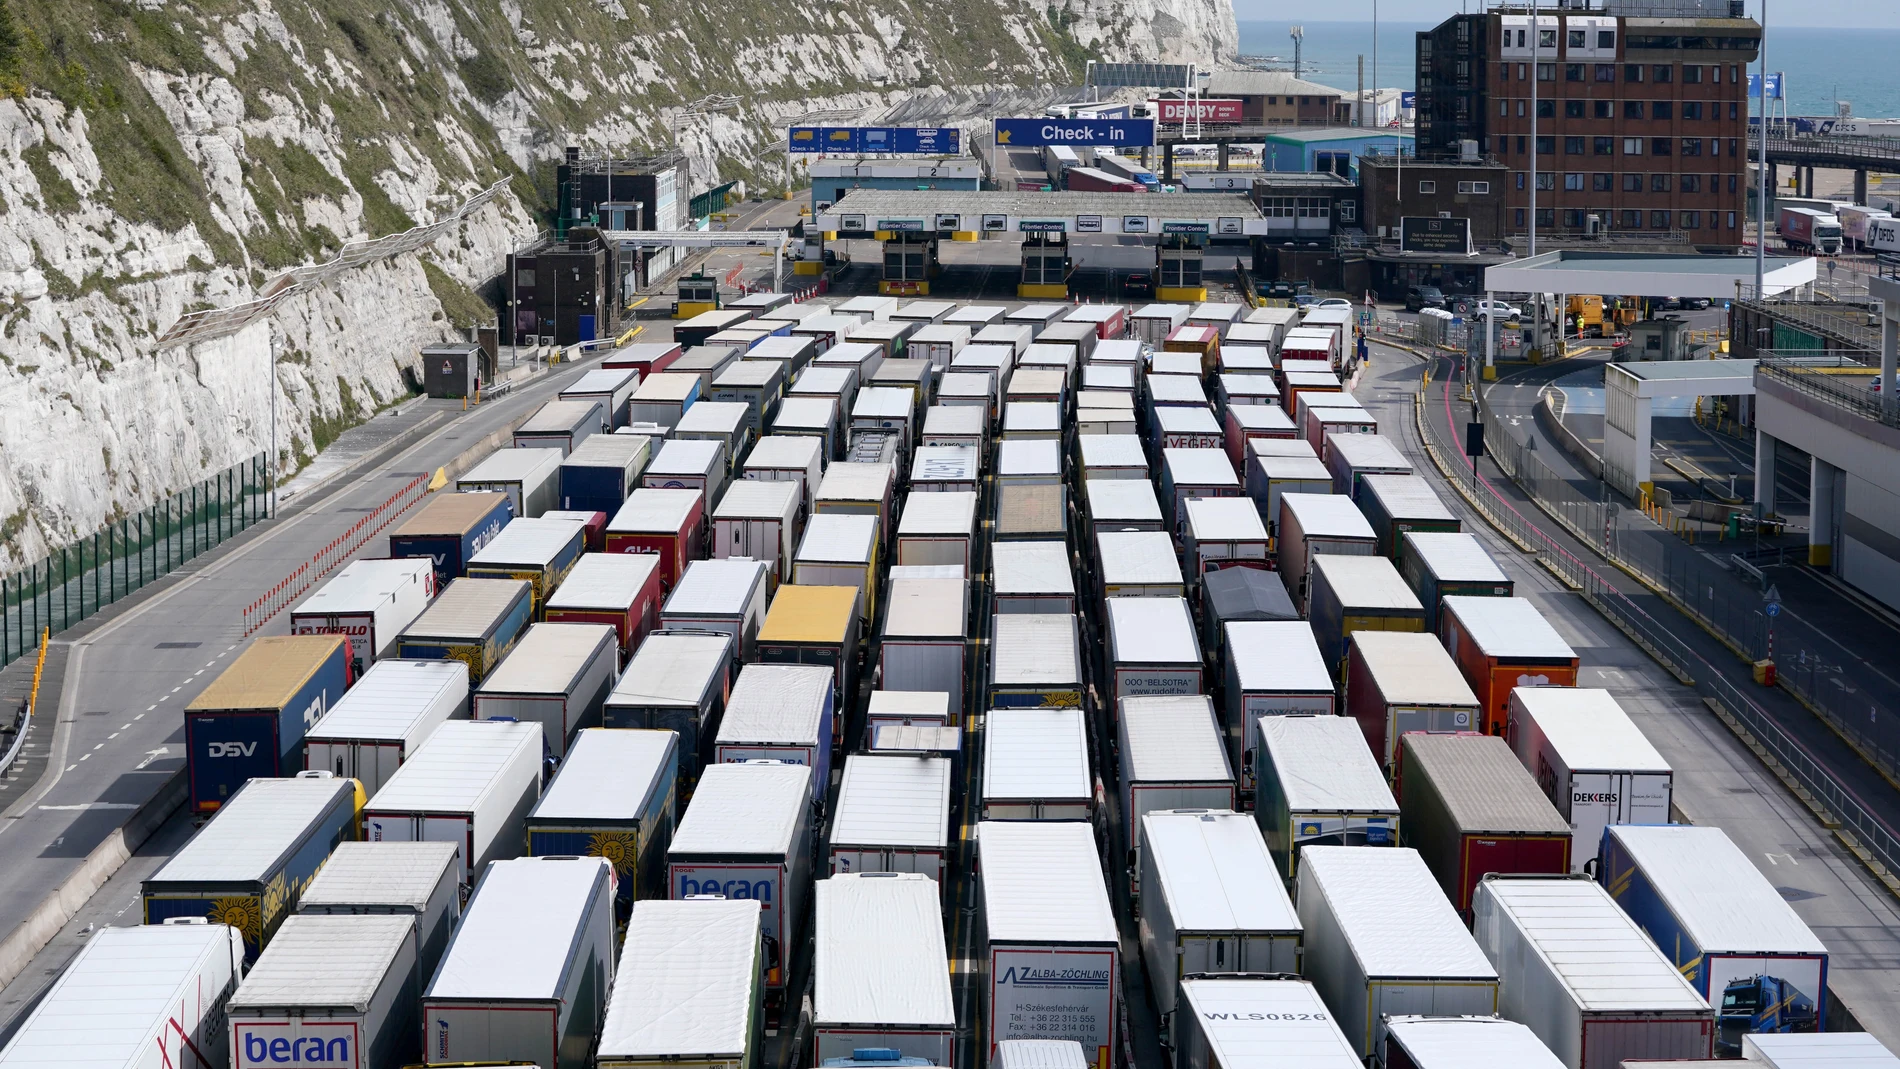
(1034, 133)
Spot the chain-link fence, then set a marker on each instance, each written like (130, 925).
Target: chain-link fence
(78, 580)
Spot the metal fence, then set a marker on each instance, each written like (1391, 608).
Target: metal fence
(1704, 587)
(79, 579)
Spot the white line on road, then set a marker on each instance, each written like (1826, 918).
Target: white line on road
(83, 757)
(99, 746)
(83, 806)
(141, 716)
(114, 735)
(149, 708)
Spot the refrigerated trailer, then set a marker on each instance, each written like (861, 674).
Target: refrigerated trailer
(893, 816)
(925, 636)
(1436, 564)
(1152, 648)
(250, 722)
(247, 864)
(1257, 1020)
(676, 681)
(369, 602)
(1591, 760)
(781, 712)
(1724, 926)
(415, 881)
(1398, 682)
(451, 528)
(557, 677)
(1381, 939)
(383, 720)
(1577, 971)
(1210, 902)
(1501, 644)
(880, 972)
(330, 991)
(471, 784)
(613, 798)
(527, 975)
(475, 621)
(1172, 757)
(1032, 577)
(758, 519)
(1314, 787)
(687, 992)
(1273, 667)
(1469, 809)
(1036, 766)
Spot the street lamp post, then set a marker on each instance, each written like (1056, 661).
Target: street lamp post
(270, 383)
(1761, 165)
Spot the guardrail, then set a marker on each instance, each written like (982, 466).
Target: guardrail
(1832, 379)
(24, 726)
(292, 586)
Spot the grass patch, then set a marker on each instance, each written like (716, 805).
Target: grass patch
(58, 194)
(459, 303)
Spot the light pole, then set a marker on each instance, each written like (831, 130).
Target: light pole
(1761, 164)
(270, 382)
(1533, 211)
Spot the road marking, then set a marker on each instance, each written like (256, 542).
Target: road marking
(124, 727)
(112, 736)
(69, 768)
(229, 649)
(141, 716)
(152, 755)
(198, 673)
(149, 708)
(176, 689)
(83, 806)
(166, 697)
(1789, 858)
(83, 757)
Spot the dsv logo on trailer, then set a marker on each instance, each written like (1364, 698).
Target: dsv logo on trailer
(314, 1046)
(230, 749)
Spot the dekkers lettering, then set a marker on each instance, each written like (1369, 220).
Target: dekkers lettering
(304, 1050)
(1608, 797)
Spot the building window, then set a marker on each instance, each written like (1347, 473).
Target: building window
(1573, 146)
(1663, 74)
(1692, 110)
(1462, 69)
(1731, 112)
(1732, 148)
(1314, 207)
(1522, 67)
(1520, 113)
(1606, 38)
(1573, 183)
(1520, 144)
(1692, 75)
(1547, 109)
(1518, 217)
(1659, 220)
(1632, 146)
(1504, 72)
(1606, 72)
(1546, 72)
(524, 276)
(1474, 187)
(1573, 109)
(1574, 39)
(1659, 183)
(1692, 220)
(1659, 146)
(1547, 146)
(1632, 183)
(1520, 180)
(1277, 207)
(1661, 109)
(1632, 220)
(1690, 183)
(1600, 183)
(1428, 187)
(1602, 108)
(1504, 109)
(1546, 180)
(1546, 217)
(1632, 109)
(1348, 211)
(1731, 183)
(1731, 220)
(1692, 146)
(1547, 38)
(1632, 72)
(1734, 78)
(1573, 218)
(1303, 100)
(1573, 72)
(1603, 146)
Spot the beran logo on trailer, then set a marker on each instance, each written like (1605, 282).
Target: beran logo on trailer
(760, 890)
(1030, 976)
(279, 1044)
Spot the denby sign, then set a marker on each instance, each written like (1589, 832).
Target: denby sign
(1197, 110)
(323, 1045)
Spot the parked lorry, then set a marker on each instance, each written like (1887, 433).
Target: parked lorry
(475, 621)
(369, 602)
(250, 722)
(880, 971)
(451, 528)
(1036, 765)
(1469, 809)
(893, 815)
(386, 718)
(557, 677)
(687, 991)
(471, 784)
(1258, 1020)
(676, 681)
(1313, 787)
(415, 881)
(1807, 228)
(613, 798)
(330, 991)
(1591, 760)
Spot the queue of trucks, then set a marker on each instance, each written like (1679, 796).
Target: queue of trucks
(646, 780)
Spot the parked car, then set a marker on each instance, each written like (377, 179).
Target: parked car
(1419, 298)
(1333, 302)
(1695, 304)
(1486, 309)
(1138, 284)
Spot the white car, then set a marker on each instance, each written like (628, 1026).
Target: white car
(1485, 309)
(1333, 302)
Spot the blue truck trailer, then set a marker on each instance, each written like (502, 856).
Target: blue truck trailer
(450, 529)
(249, 723)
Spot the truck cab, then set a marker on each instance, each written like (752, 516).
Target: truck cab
(1761, 1003)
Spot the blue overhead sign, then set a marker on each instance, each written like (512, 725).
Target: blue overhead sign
(1774, 85)
(1408, 100)
(856, 140)
(1035, 133)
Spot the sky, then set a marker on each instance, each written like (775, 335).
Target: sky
(1860, 14)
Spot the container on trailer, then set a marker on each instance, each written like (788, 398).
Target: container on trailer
(1352, 457)
(1348, 594)
(450, 528)
(667, 523)
(756, 384)
(790, 352)
(1104, 420)
(1013, 335)
(471, 784)
(1398, 682)
(759, 520)
(893, 816)
(1210, 902)
(527, 975)
(1035, 661)
(946, 468)
(1381, 939)
(1121, 505)
(1138, 564)
(955, 425)
(840, 549)
(1029, 462)
(1032, 419)
(144, 996)
(781, 712)
(1274, 667)
(1258, 1021)
(727, 596)
(1154, 322)
(1254, 391)
(1501, 644)
(1052, 952)
(1036, 765)
(246, 866)
(1427, 1041)
(1397, 505)
(1469, 808)
(1076, 340)
(1188, 473)
(939, 343)
(1038, 380)
(815, 625)
(1220, 315)
(926, 632)
(976, 316)
(748, 835)
(688, 989)
(1223, 532)
(331, 991)
(540, 550)
(880, 975)
(562, 425)
(250, 721)
(861, 357)
(696, 330)
(1172, 757)
(1312, 524)
(860, 489)
(788, 458)
(613, 798)
(1031, 577)
(1591, 760)
(906, 708)
(1171, 362)
(1112, 378)
(1270, 477)
(1152, 649)
(872, 307)
(1316, 786)
(689, 464)
(937, 528)
(1174, 391)
(558, 676)
(530, 477)
(968, 389)
(369, 602)
(664, 397)
(644, 357)
(602, 471)
(1035, 513)
(1436, 564)
(385, 718)
(923, 311)
(1234, 594)
(1247, 352)
(826, 330)
(415, 881)
(676, 682)
(1578, 972)
(1112, 456)
(1724, 926)
(475, 621)
(1108, 320)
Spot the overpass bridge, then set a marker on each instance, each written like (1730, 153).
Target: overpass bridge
(1857, 154)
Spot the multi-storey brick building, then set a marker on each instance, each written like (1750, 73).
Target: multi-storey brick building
(1640, 121)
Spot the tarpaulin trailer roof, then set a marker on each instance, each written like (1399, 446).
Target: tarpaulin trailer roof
(344, 986)
(1035, 659)
(688, 987)
(419, 881)
(1470, 808)
(1036, 765)
(385, 717)
(1438, 563)
(1032, 577)
(1347, 594)
(1399, 681)
(954, 425)
(880, 973)
(1122, 505)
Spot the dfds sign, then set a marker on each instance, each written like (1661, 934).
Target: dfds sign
(268, 1044)
(1117, 133)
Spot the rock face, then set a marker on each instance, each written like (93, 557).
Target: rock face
(161, 156)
